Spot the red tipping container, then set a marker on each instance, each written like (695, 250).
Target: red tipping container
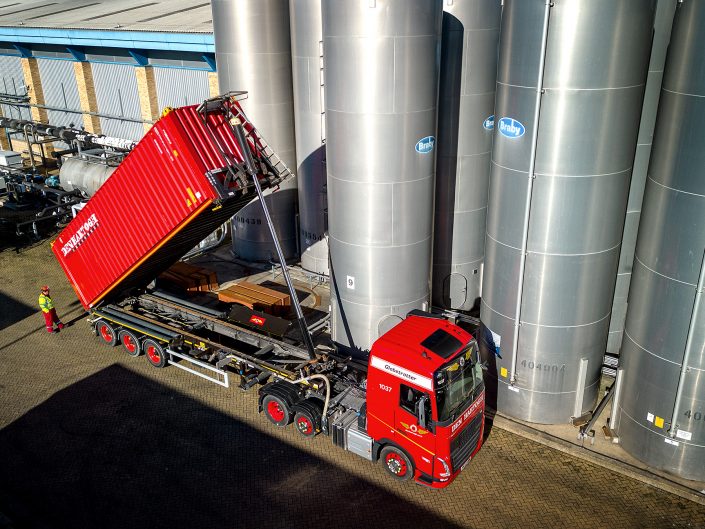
(167, 195)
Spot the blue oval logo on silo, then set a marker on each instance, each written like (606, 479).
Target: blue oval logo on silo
(489, 122)
(425, 145)
(511, 128)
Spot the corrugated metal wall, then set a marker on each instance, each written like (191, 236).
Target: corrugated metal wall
(12, 82)
(116, 92)
(60, 90)
(177, 87)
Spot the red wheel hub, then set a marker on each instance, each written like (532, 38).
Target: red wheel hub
(106, 333)
(275, 411)
(129, 343)
(396, 464)
(153, 354)
(304, 425)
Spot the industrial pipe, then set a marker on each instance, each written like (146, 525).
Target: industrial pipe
(67, 134)
(685, 367)
(529, 191)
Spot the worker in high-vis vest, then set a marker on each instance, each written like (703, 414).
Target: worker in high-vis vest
(48, 310)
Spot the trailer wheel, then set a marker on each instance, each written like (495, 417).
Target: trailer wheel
(130, 342)
(307, 418)
(276, 410)
(154, 352)
(397, 463)
(106, 333)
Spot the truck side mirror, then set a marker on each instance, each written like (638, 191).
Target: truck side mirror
(421, 407)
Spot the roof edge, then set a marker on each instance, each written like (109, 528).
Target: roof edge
(132, 39)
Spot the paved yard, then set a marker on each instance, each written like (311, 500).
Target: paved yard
(91, 438)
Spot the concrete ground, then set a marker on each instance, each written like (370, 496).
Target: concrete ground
(90, 437)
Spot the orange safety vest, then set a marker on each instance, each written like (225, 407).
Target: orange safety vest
(45, 303)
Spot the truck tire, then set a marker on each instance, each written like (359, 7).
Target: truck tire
(130, 342)
(106, 332)
(307, 417)
(154, 353)
(276, 410)
(397, 463)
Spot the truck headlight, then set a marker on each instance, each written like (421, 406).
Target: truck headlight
(446, 468)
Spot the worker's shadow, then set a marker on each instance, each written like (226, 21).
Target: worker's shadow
(119, 450)
(13, 310)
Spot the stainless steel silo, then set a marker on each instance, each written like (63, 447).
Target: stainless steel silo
(660, 407)
(465, 121)
(307, 67)
(382, 65)
(570, 85)
(253, 53)
(662, 34)
(251, 238)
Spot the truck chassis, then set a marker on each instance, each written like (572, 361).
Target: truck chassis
(322, 395)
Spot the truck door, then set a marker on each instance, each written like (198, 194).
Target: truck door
(420, 441)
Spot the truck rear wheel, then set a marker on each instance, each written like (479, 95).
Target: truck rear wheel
(155, 353)
(307, 418)
(106, 333)
(397, 463)
(130, 342)
(276, 410)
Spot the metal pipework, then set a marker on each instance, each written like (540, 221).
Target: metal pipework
(529, 193)
(318, 377)
(67, 134)
(690, 349)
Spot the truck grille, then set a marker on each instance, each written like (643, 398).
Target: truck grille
(462, 446)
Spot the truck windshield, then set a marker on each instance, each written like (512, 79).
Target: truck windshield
(458, 381)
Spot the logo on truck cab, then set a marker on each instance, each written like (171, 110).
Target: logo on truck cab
(402, 373)
(468, 413)
(89, 225)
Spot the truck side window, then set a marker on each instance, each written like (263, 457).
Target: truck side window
(408, 397)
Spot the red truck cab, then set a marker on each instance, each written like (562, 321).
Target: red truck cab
(425, 400)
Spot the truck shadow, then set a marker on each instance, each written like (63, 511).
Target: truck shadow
(120, 450)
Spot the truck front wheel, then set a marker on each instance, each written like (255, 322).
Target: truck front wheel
(154, 352)
(276, 410)
(397, 463)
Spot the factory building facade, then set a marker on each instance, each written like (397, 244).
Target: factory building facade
(109, 69)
